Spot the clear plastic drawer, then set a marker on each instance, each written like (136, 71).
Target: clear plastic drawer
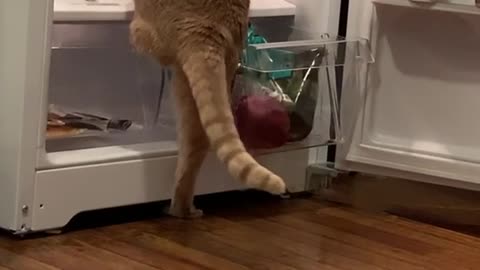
(287, 94)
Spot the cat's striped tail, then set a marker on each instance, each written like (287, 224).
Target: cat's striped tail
(206, 73)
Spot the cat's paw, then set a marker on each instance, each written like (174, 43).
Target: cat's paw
(185, 213)
(287, 195)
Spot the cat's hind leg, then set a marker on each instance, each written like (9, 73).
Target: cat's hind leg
(193, 147)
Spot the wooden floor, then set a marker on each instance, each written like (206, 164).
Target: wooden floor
(246, 232)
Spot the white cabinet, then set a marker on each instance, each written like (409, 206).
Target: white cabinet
(407, 108)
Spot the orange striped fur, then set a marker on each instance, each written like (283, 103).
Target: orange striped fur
(201, 40)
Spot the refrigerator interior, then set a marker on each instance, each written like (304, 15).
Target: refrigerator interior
(94, 70)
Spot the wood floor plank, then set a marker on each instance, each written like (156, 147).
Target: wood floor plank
(183, 233)
(198, 259)
(342, 255)
(410, 248)
(403, 243)
(360, 249)
(220, 248)
(452, 237)
(149, 257)
(247, 238)
(11, 260)
(413, 261)
(66, 253)
(294, 243)
(449, 252)
(270, 234)
(202, 258)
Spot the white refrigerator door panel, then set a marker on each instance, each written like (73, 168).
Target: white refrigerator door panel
(23, 60)
(422, 96)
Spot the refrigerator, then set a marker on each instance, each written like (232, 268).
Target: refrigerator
(395, 97)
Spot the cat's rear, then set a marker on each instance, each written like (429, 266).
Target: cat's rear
(203, 39)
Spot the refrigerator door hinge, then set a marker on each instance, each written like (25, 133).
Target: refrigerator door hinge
(320, 176)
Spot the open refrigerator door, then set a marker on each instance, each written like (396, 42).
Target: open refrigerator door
(418, 110)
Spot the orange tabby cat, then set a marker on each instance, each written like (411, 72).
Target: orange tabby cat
(202, 41)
